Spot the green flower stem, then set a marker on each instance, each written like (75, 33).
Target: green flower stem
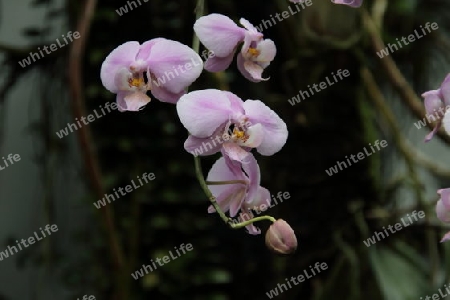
(204, 186)
(199, 12)
(243, 224)
(225, 182)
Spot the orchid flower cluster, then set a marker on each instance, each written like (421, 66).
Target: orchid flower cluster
(167, 68)
(436, 104)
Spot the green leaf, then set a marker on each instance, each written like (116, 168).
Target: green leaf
(401, 273)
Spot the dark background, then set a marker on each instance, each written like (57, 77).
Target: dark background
(332, 216)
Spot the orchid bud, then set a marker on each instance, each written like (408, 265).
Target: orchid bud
(280, 238)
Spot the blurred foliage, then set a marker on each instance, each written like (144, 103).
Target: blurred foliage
(329, 214)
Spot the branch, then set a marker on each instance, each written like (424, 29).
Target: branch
(84, 135)
(397, 79)
(379, 101)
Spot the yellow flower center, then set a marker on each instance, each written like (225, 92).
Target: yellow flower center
(137, 82)
(240, 135)
(253, 51)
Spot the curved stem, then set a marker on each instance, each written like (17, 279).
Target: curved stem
(204, 186)
(84, 137)
(199, 12)
(257, 219)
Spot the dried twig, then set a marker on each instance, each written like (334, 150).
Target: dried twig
(84, 135)
(396, 77)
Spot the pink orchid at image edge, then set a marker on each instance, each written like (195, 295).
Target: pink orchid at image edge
(352, 3)
(437, 101)
(221, 36)
(209, 114)
(238, 196)
(443, 210)
(158, 65)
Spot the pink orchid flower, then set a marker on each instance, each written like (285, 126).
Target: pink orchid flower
(237, 126)
(162, 66)
(438, 101)
(352, 3)
(221, 36)
(238, 196)
(443, 209)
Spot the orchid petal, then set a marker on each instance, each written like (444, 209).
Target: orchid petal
(445, 90)
(446, 237)
(236, 105)
(164, 95)
(174, 65)
(429, 136)
(218, 33)
(442, 212)
(231, 197)
(256, 136)
(445, 197)
(243, 64)
(267, 51)
(120, 100)
(446, 122)
(205, 146)
(260, 198)
(252, 35)
(217, 64)
(121, 79)
(136, 101)
(352, 3)
(251, 167)
(202, 112)
(220, 171)
(123, 56)
(252, 229)
(275, 130)
(146, 48)
(432, 101)
(235, 152)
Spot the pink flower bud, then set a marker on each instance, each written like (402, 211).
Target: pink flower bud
(280, 238)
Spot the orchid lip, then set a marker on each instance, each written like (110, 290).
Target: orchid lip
(137, 83)
(243, 134)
